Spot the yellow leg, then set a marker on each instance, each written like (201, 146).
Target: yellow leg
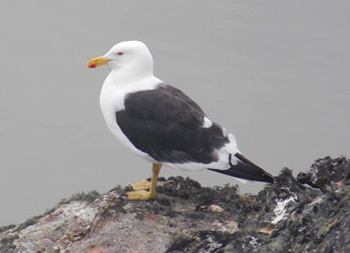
(146, 195)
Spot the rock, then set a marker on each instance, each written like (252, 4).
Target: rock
(211, 208)
(310, 213)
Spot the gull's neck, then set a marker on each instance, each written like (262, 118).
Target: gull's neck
(130, 78)
(129, 75)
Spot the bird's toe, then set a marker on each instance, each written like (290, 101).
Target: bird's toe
(140, 195)
(141, 185)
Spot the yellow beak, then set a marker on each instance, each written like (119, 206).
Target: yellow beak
(98, 61)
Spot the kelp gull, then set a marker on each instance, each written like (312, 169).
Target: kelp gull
(162, 124)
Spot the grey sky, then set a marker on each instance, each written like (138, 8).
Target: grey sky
(274, 73)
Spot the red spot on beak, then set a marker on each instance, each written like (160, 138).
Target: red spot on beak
(92, 66)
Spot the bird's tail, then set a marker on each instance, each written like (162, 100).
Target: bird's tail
(246, 169)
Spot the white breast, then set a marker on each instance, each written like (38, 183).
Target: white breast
(112, 99)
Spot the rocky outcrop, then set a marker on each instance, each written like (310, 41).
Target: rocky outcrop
(310, 213)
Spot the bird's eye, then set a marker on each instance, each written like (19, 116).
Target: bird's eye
(119, 53)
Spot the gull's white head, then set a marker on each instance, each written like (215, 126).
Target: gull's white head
(127, 55)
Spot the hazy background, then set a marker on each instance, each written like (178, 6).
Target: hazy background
(275, 73)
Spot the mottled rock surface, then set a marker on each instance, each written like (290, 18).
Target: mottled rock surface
(310, 213)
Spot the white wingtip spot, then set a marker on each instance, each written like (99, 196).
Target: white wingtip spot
(207, 123)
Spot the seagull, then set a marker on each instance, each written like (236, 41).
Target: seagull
(163, 125)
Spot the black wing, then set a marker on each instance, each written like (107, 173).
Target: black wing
(166, 124)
